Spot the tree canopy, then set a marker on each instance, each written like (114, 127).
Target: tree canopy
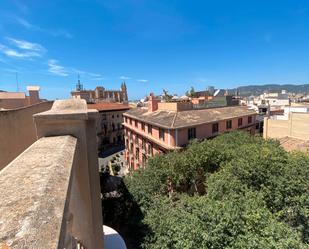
(234, 191)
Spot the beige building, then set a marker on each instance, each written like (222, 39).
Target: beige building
(110, 131)
(13, 100)
(291, 129)
(101, 94)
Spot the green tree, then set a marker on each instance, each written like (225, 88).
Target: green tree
(234, 191)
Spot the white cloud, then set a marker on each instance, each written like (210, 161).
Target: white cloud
(56, 69)
(25, 45)
(142, 80)
(124, 78)
(18, 54)
(22, 49)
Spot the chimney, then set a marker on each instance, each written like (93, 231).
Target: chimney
(33, 94)
(152, 103)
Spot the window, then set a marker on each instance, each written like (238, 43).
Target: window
(191, 133)
(249, 119)
(126, 120)
(137, 154)
(130, 121)
(119, 126)
(113, 116)
(144, 159)
(239, 122)
(136, 140)
(143, 144)
(113, 126)
(103, 116)
(131, 148)
(229, 124)
(150, 129)
(136, 122)
(215, 128)
(117, 115)
(150, 149)
(143, 126)
(161, 134)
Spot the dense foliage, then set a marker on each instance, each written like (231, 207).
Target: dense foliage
(234, 191)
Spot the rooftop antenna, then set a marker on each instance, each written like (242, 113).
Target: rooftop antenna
(17, 86)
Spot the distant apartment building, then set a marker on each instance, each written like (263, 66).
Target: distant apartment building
(14, 100)
(110, 131)
(166, 126)
(100, 94)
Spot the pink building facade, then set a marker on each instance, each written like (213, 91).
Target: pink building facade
(154, 131)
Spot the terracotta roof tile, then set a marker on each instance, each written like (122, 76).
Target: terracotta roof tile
(172, 119)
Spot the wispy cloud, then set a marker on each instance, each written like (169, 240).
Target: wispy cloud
(22, 49)
(24, 23)
(53, 32)
(142, 80)
(124, 78)
(87, 75)
(60, 32)
(56, 69)
(10, 52)
(25, 45)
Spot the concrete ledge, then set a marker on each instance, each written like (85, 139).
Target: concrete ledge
(34, 193)
(73, 109)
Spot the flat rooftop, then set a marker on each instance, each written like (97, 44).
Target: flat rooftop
(108, 106)
(291, 143)
(173, 119)
(12, 95)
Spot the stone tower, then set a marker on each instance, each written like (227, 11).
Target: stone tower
(124, 91)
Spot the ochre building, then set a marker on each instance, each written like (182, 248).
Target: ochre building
(100, 94)
(109, 125)
(167, 126)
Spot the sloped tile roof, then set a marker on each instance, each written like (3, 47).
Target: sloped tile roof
(173, 119)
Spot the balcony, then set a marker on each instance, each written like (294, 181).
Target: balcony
(51, 192)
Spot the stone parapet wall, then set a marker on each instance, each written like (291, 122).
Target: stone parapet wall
(35, 194)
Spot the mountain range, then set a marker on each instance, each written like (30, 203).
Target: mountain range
(260, 89)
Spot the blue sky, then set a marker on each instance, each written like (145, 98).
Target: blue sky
(152, 44)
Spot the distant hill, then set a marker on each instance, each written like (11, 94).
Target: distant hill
(259, 89)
